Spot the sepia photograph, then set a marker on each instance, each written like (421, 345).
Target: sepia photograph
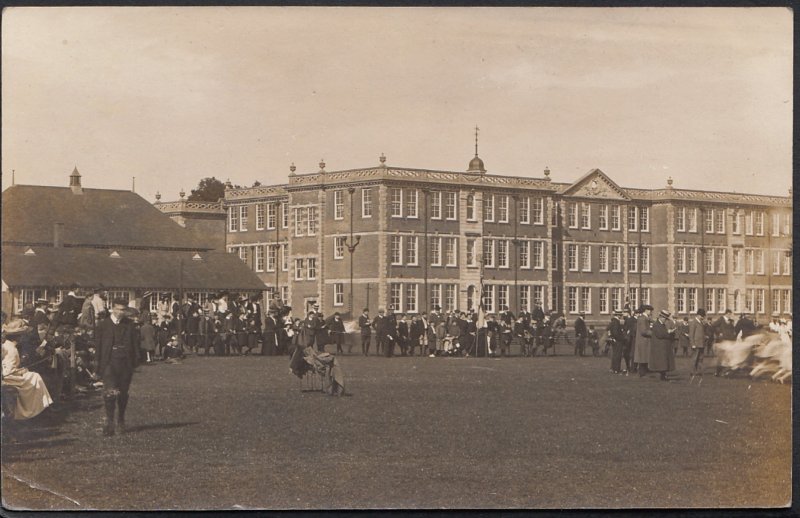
(380, 258)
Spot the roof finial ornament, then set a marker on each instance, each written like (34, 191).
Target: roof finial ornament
(382, 158)
(158, 196)
(322, 165)
(133, 184)
(182, 194)
(228, 184)
(547, 173)
(669, 182)
(292, 169)
(476, 139)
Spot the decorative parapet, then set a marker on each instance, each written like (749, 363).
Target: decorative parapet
(416, 175)
(190, 207)
(709, 196)
(262, 191)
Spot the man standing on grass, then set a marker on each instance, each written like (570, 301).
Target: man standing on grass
(116, 359)
(366, 331)
(697, 338)
(641, 354)
(580, 334)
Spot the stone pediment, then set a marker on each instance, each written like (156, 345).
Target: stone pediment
(595, 184)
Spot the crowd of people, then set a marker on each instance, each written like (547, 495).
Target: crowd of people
(37, 343)
(650, 344)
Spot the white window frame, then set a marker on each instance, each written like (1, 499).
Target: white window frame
(759, 259)
(736, 261)
(396, 250)
(719, 221)
(644, 219)
(691, 260)
(260, 218)
(470, 208)
(396, 296)
(311, 268)
(616, 218)
(748, 223)
(338, 294)
(436, 251)
(708, 260)
(602, 257)
(412, 203)
(787, 264)
(633, 259)
(299, 269)
(721, 299)
(338, 247)
(602, 217)
(758, 222)
(691, 220)
(488, 208)
(708, 221)
(436, 205)
(749, 261)
(312, 221)
(572, 300)
(586, 258)
(450, 299)
(502, 208)
(450, 206)
(338, 204)
(585, 300)
(243, 217)
(259, 259)
(502, 253)
(451, 251)
(285, 259)
(572, 257)
(680, 219)
(272, 215)
(680, 259)
(537, 257)
(396, 202)
(502, 296)
(603, 298)
(412, 250)
(233, 219)
(524, 248)
(616, 255)
(300, 224)
(586, 216)
(524, 210)
(488, 253)
(537, 210)
(572, 215)
(633, 218)
(736, 223)
(272, 258)
(366, 202)
(284, 216)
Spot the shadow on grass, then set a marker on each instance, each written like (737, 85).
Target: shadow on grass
(158, 426)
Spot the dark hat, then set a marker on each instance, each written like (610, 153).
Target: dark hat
(120, 302)
(366, 310)
(16, 326)
(391, 308)
(617, 312)
(664, 313)
(437, 308)
(40, 302)
(701, 312)
(645, 307)
(336, 313)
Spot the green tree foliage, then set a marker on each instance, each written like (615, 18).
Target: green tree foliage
(209, 189)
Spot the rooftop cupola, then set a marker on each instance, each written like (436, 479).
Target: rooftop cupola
(75, 181)
(476, 164)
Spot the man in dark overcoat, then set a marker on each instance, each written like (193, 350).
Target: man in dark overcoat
(336, 331)
(366, 331)
(310, 325)
(271, 344)
(379, 323)
(662, 351)
(116, 359)
(390, 332)
(641, 353)
(618, 337)
(580, 334)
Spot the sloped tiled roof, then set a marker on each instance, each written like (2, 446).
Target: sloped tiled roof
(133, 269)
(96, 218)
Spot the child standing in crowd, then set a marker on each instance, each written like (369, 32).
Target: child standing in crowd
(594, 341)
(148, 338)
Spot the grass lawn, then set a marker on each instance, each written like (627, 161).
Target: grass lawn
(544, 432)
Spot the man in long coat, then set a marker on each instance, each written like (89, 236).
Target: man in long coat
(580, 334)
(310, 326)
(641, 352)
(379, 323)
(366, 331)
(662, 349)
(270, 345)
(390, 330)
(616, 332)
(697, 336)
(116, 359)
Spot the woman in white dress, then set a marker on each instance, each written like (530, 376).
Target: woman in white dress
(32, 395)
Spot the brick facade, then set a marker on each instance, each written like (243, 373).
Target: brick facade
(613, 245)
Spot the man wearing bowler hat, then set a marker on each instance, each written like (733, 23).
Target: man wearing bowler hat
(116, 359)
(662, 350)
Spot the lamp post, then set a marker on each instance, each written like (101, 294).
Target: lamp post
(351, 247)
(515, 266)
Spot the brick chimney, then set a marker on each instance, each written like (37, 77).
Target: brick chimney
(75, 181)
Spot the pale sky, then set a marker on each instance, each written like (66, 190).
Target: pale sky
(172, 95)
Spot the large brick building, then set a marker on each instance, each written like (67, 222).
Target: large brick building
(426, 237)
